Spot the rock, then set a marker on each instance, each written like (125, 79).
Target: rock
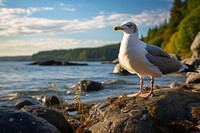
(193, 77)
(47, 63)
(174, 85)
(169, 111)
(56, 63)
(50, 100)
(53, 117)
(88, 85)
(192, 61)
(120, 70)
(26, 102)
(15, 121)
(195, 48)
(74, 64)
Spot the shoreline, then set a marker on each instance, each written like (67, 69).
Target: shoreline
(87, 120)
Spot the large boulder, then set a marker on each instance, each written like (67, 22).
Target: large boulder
(194, 78)
(195, 48)
(14, 121)
(87, 85)
(169, 111)
(53, 117)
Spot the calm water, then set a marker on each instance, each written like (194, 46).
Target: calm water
(19, 80)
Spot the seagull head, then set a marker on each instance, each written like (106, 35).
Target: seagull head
(127, 27)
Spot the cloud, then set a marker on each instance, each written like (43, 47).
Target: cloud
(67, 7)
(19, 21)
(146, 18)
(28, 47)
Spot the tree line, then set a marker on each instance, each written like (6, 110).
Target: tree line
(177, 35)
(104, 53)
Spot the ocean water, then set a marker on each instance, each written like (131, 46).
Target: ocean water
(19, 80)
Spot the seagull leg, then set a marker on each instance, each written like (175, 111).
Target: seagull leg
(140, 91)
(150, 94)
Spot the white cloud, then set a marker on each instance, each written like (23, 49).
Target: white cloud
(19, 21)
(67, 7)
(147, 18)
(28, 47)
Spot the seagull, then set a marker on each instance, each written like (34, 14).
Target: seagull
(144, 59)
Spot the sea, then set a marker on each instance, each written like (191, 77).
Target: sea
(18, 80)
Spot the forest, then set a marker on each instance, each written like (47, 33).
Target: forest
(177, 35)
(108, 52)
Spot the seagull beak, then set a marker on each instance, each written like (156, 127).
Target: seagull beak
(117, 28)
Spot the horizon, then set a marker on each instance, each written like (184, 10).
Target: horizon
(28, 27)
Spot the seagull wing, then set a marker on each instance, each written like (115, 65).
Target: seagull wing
(164, 62)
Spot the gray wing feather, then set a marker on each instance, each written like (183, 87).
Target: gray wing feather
(162, 60)
(156, 51)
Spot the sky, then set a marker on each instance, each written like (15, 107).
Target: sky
(30, 26)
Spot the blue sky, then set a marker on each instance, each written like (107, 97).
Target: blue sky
(29, 26)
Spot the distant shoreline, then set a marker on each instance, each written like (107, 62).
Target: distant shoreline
(15, 58)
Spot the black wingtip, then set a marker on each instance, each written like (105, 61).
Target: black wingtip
(191, 68)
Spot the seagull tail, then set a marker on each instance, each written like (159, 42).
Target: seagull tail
(191, 68)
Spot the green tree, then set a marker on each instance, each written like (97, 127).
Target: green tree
(188, 29)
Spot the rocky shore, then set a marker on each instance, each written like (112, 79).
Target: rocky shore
(171, 110)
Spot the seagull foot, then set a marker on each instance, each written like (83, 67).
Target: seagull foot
(147, 95)
(134, 94)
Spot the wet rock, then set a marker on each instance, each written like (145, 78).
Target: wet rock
(169, 111)
(88, 85)
(50, 100)
(15, 121)
(25, 102)
(120, 70)
(53, 117)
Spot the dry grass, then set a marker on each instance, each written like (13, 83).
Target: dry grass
(53, 85)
